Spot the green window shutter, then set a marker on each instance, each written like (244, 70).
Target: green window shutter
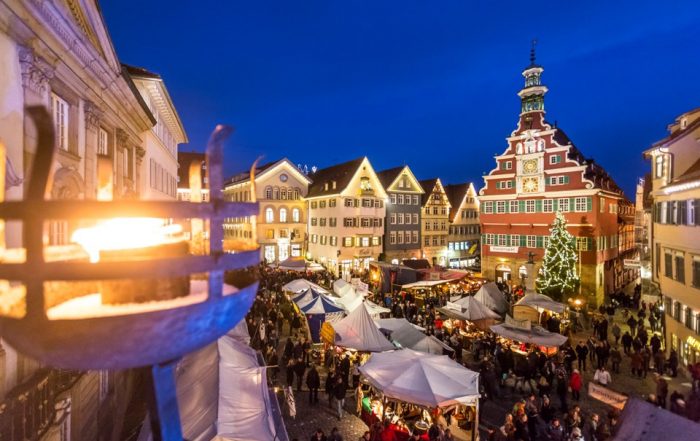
(498, 185)
(591, 244)
(566, 179)
(540, 242)
(507, 204)
(555, 205)
(521, 206)
(572, 205)
(538, 205)
(523, 240)
(589, 204)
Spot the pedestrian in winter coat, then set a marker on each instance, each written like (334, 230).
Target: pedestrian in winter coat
(661, 391)
(616, 359)
(581, 354)
(673, 363)
(575, 383)
(313, 382)
(289, 370)
(555, 431)
(330, 382)
(626, 342)
(339, 391)
(299, 370)
(616, 332)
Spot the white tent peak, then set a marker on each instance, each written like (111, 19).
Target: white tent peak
(474, 310)
(358, 331)
(492, 297)
(541, 301)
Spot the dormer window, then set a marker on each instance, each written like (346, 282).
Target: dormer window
(684, 123)
(325, 186)
(333, 184)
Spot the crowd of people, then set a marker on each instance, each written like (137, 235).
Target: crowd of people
(551, 386)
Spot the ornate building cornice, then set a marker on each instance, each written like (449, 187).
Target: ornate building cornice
(122, 138)
(36, 71)
(93, 114)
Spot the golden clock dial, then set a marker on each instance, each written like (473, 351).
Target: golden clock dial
(530, 185)
(530, 166)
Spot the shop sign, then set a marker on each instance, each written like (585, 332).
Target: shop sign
(327, 333)
(497, 249)
(607, 396)
(631, 263)
(364, 252)
(519, 324)
(693, 343)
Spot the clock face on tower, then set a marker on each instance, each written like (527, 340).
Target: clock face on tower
(530, 185)
(530, 166)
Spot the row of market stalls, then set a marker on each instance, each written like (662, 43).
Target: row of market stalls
(407, 379)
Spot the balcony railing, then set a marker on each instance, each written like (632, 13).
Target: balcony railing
(28, 410)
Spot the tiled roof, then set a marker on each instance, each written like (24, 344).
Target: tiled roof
(455, 194)
(428, 185)
(341, 173)
(387, 177)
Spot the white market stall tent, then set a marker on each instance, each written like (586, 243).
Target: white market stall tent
(407, 335)
(341, 287)
(492, 297)
(301, 285)
(640, 421)
(541, 302)
(358, 331)
(352, 300)
(419, 378)
(536, 335)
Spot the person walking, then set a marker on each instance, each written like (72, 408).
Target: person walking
(616, 359)
(661, 391)
(313, 382)
(581, 354)
(562, 391)
(626, 342)
(616, 332)
(575, 383)
(330, 383)
(673, 363)
(299, 370)
(339, 391)
(602, 376)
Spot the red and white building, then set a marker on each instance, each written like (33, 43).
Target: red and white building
(542, 172)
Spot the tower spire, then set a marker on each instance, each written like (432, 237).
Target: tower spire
(532, 51)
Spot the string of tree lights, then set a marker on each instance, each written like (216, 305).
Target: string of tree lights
(558, 276)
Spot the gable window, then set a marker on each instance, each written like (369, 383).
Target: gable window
(392, 197)
(555, 159)
(400, 199)
(415, 199)
(268, 192)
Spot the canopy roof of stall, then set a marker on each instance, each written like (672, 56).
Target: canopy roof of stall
(469, 308)
(341, 287)
(245, 407)
(358, 331)
(408, 335)
(536, 335)
(492, 297)
(320, 305)
(352, 299)
(541, 301)
(305, 297)
(301, 285)
(424, 284)
(641, 421)
(420, 378)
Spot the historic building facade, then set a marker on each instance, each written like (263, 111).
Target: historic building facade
(402, 231)
(280, 229)
(158, 174)
(464, 229)
(675, 232)
(435, 220)
(542, 172)
(346, 211)
(59, 55)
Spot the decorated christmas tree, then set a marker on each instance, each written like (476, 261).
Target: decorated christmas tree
(557, 277)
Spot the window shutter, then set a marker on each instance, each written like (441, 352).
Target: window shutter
(555, 205)
(683, 212)
(540, 242)
(566, 181)
(669, 212)
(589, 203)
(591, 244)
(538, 205)
(523, 240)
(521, 206)
(572, 205)
(507, 204)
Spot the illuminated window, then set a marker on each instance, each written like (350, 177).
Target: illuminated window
(283, 215)
(269, 215)
(296, 215)
(60, 109)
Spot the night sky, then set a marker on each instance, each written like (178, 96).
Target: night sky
(429, 83)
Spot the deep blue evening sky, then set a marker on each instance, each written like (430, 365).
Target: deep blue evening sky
(428, 83)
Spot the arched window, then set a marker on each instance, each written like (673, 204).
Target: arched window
(296, 215)
(296, 194)
(269, 216)
(268, 192)
(283, 215)
(276, 193)
(283, 193)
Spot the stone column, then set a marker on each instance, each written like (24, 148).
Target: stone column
(122, 139)
(92, 127)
